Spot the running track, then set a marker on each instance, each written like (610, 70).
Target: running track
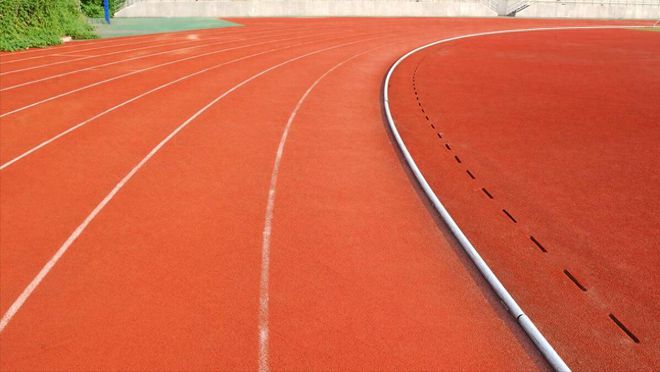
(230, 199)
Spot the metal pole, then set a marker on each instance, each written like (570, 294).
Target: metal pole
(106, 9)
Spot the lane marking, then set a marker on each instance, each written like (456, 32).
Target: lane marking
(18, 303)
(134, 73)
(58, 48)
(268, 220)
(94, 67)
(512, 306)
(135, 98)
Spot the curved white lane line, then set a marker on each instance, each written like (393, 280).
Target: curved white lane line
(81, 58)
(193, 44)
(23, 108)
(268, 220)
(523, 320)
(18, 303)
(135, 98)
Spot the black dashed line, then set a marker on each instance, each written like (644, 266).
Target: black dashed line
(509, 215)
(575, 281)
(427, 117)
(447, 146)
(541, 247)
(439, 135)
(487, 193)
(470, 174)
(457, 159)
(432, 126)
(624, 328)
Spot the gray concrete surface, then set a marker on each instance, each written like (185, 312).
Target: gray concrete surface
(306, 8)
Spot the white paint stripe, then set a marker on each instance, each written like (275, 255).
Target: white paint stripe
(89, 68)
(268, 222)
(59, 49)
(113, 53)
(94, 67)
(135, 98)
(137, 72)
(521, 318)
(18, 303)
(62, 51)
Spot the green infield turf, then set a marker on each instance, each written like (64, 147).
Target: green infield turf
(141, 26)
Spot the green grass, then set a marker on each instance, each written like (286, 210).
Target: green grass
(141, 26)
(39, 23)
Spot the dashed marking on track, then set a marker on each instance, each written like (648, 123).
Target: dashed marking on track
(470, 174)
(458, 160)
(447, 146)
(574, 280)
(538, 244)
(490, 196)
(624, 328)
(509, 215)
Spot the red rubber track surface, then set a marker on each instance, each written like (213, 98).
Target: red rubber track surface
(167, 276)
(559, 129)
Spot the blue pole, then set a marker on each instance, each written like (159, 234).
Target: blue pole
(106, 9)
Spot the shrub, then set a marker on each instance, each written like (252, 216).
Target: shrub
(38, 23)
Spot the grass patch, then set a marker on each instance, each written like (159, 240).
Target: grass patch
(39, 23)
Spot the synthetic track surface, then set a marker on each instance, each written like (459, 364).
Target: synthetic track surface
(546, 155)
(167, 274)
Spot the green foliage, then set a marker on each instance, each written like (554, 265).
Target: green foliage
(38, 23)
(94, 8)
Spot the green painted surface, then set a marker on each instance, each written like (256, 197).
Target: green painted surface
(141, 26)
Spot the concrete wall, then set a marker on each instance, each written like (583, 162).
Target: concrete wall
(559, 9)
(308, 8)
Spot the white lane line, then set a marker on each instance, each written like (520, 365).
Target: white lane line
(135, 98)
(18, 303)
(268, 221)
(58, 48)
(192, 45)
(134, 73)
(541, 343)
(173, 51)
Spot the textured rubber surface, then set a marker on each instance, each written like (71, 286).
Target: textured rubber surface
(362, 275)
(542, 146)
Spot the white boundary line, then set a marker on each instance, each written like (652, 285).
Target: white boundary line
(523, 320)
(18, 303)
(135, 40)
(141, 95)
(268, 220)
(193, 44)
(77, 58)
(137, 72)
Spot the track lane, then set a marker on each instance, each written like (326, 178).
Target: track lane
(25, 97)
(25, 134)
(28, 76)
(227, 191)
(124, 139)
(345, 281)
